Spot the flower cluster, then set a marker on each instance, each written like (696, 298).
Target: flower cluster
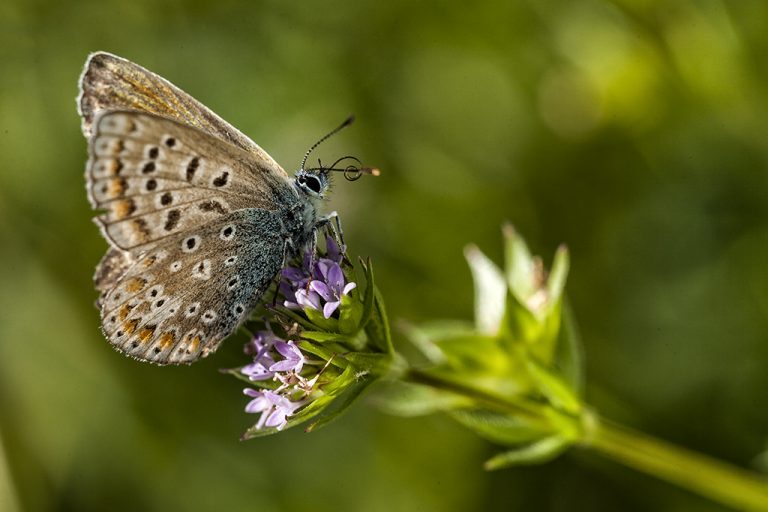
(320, 342)
(282, 362)
(319, 285)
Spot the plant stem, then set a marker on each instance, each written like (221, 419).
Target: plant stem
(721, 482)
(703, 475)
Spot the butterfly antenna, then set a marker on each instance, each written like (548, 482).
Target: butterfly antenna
(348, 121)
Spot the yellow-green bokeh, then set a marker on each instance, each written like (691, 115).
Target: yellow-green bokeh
(635, 131)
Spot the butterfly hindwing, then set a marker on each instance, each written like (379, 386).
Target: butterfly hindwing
(155, 178)
(180, 299)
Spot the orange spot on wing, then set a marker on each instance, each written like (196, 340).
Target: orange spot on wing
(135, 285)
(130, 325)
(122, 209)
(116, 187)
(194, 343)
(145, 334)
(166, 340)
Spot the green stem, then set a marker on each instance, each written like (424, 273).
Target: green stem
(716, 480)
(535, 413)
(705, 476)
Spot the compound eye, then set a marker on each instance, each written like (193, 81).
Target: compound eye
(313, 183)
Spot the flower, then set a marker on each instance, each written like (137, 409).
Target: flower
(333, 289)
(274, 408)
(294, 359)
(259, 347)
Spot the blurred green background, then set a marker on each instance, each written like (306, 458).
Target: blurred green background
(635, 131)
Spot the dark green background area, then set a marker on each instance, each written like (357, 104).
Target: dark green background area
(634, 131)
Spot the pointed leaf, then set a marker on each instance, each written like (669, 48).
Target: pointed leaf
(408, 400)
(535, 453)
(490, 290)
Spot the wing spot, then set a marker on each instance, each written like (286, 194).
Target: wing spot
(170, 142)
(135, 285)
(175, 266)
(238, 309)
(141, 229)
(166, 340)
(172, 219)
(130, 325)
(146, 333)
(151, 184)
(190, 244)
(209, 316)
(221, 180)
(153, 152)
(232, 284)
(123, 208)
(148, 168)
(210, 206)
(192, 168)
(192, 310)
(227, 233)
(155, 291)
(202, 270)
(166, 199)
(230, 261)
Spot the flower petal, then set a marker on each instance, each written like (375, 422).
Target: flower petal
(322, 289)
(350, 286)
(330, 307)
(335, 278)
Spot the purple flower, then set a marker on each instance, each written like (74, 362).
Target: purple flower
(294, 359)
(332, 251)
(333, 289)
(259, 347)
(274, 408)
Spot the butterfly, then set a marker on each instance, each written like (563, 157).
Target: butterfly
(199, 219)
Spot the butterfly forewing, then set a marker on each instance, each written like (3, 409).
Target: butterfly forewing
(156, 178)
(180, 299)
(109, 83)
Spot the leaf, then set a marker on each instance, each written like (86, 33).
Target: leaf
(557, 392)
(497, 427)
(340, 404)
(377, 328)
(535, 453)
(325, 337)
(558, 275)
(518, 264)
(408, 400)
(490, 289)
(350, 313)
(569, 355)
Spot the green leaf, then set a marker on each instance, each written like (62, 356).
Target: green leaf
(535, 453)
(377, 328)
(569, 355)
(518, 264)
(325, 337)
(499, 428)
(369, 292)
(408, 400)
(490, 289)
(350, 313)
(340, 404)
(323, 324)
(558, 275)
(557, 392)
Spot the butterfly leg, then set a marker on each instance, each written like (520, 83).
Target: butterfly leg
(336, 232)
(287, 249)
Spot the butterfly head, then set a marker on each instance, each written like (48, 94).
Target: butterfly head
(315, 181)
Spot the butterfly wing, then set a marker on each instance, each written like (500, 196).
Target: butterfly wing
(110, 82)
(155, 178)
(179, 300)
